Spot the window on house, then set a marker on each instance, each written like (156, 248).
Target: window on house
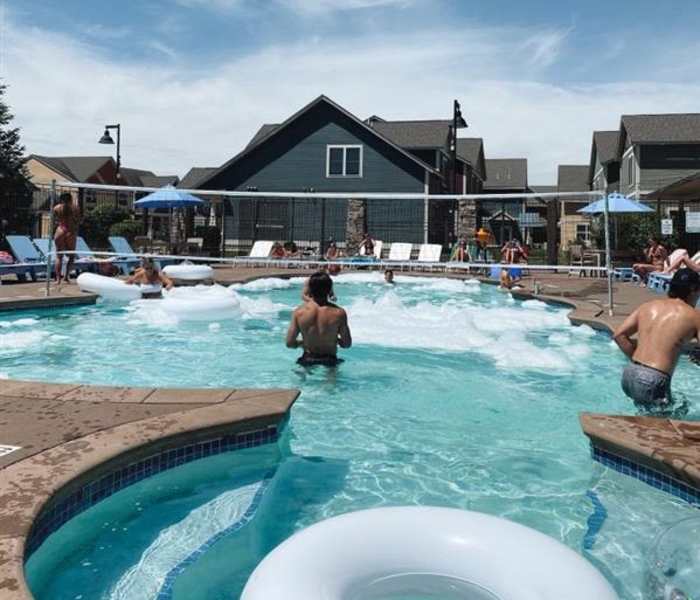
(344, 161)
(583, 232)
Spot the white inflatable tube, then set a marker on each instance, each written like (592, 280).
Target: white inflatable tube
(108, 287)
(187, 271)
(427, 552)
(205, 307)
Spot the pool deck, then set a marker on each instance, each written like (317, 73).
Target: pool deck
(66, 433)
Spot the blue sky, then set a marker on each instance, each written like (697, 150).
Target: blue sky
(191, 80)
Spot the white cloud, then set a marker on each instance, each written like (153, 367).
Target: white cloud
(316, 6)
(175, 115)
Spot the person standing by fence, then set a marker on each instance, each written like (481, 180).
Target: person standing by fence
(67, 215)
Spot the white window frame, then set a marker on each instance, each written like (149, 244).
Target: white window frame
(344, 148)
(587, 237)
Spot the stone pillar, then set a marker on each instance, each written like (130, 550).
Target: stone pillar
(355, 225)
(466, 219)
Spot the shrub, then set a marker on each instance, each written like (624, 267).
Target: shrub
(128, 229)
(97, 223)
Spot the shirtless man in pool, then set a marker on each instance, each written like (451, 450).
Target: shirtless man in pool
(663, 327)
(323, 325)
(67, 214)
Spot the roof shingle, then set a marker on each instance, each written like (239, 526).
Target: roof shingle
(572, 178)
(77, 168)
(606, 143)
(194, 176)
(506, 173)
(415, 134)
(659, 129)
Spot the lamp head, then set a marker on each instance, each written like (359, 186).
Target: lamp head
(106, 138)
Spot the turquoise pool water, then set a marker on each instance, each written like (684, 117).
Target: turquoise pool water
(454, 394)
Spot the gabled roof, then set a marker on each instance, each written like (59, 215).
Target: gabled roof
(262, 133)
(415, 134)
(133, 176)
(678, 128)
(272, 130)
(604, 147)
(573, 178)
(472, 151)
(506, 173)
(194, 176)
(159, 180)
(541, 189)
(76, 168)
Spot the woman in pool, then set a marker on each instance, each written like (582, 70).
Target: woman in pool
(151, 280)
(67, 215)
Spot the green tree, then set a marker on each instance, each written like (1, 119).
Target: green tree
(15, 187)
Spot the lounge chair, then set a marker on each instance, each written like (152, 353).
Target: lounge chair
(86, 254)
(122, 246)
(429, 253)
(261, 249)
(378, 245)
(79, 264)
(400, 252)
(32, 261)
(660, 281)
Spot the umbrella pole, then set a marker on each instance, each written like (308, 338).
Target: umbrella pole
(608, 259)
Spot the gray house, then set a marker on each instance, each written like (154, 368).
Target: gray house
(604, 169)
(504, 176)
(325, 148)
(656, 150)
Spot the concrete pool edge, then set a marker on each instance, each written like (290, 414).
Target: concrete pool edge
(32, 485)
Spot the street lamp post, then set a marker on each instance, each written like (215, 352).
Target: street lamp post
(457, 123)
(107, 139)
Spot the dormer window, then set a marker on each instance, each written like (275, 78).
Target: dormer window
(344, 161)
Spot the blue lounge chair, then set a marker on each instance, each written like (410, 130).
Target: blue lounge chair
(122, 246)
(659, 282)
(79, 264)
(84, 252)
(30, 262)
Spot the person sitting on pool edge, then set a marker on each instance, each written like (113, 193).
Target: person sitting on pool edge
(323, 326)
(663, 327)
(151, 279)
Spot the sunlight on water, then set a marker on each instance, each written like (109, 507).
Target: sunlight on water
(453, 394)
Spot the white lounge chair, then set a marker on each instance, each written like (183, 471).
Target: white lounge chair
(378, 245)
(429, 253)
(400, 252)
(261, 249)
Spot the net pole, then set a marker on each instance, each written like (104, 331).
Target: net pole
(608, 254)
(52, 200)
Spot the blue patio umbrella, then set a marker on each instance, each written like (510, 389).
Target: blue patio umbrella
(617, 204)
(171, 198)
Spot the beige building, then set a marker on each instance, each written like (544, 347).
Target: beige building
(573, 226)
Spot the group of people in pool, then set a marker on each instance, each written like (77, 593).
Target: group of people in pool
(652, 337)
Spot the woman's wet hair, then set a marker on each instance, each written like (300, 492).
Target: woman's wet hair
(683, 284)
(65, 198)
(148, 263)
(320, 287)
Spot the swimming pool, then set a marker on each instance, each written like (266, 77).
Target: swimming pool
(454, 394)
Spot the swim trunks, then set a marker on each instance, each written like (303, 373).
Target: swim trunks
(648, 387)
(309, 359)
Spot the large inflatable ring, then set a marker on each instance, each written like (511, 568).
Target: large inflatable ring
(424, 552)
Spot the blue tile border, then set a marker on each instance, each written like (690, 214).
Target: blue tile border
(55, 515)
(166, 590)
(654, 478)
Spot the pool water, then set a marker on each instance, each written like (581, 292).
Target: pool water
(453, 394)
